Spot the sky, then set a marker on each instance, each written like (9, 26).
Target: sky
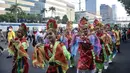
(120, 9)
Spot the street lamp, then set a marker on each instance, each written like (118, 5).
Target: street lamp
(70, 14)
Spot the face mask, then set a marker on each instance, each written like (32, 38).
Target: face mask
(10, 29)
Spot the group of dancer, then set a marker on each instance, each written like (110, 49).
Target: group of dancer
(96, 44)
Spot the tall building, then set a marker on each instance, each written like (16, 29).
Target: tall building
(114, 13)
(35, 6)
(92, 6)
(2, 8)
(24, 4)
(38, 6)
(106, 13)
(62, 8)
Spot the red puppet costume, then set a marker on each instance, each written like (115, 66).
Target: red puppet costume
(87, 57)
(17, 48)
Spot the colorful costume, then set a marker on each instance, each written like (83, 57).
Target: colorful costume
(41, 55)
(107, 41)
(87, 57)
(17, 49)
(58, 63)
(118, 36)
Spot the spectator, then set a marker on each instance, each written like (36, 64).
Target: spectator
(11, 35)
(29, 35)
(128, 33)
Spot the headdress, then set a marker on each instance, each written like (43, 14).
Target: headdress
(96, 22)
(51, 24)
(69, 25)
(83, 22)
(108, 25)
(23, 28)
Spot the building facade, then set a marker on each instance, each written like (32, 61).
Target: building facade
(92, 6)
(38, 6)
(35, 6)
(114, 13)
(61, 8)
(90, 16)
(24, 4)
(106, 13)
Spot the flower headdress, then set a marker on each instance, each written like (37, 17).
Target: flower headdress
(51, 24)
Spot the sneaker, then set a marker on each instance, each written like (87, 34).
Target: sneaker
(100, 71)
(105, 67)
(113, 56)
(71, 66)
(110, 61)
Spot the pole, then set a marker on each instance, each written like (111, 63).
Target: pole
(79, 9)
(79, 5)
(16, 12)
(70, 14)
(16, 1)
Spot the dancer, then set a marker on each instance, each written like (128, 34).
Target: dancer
(86, 60)
(74, 47)
(58, 61)
(118, 36)
(17, 49)
(106, 39)
(101, 57)
(113, 43)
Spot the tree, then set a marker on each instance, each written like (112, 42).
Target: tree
(52, 9)
(15, 10)
(76, 17)
(64, 19)
(57, 18)
(43, 13)
(126, 4)
(8, 17)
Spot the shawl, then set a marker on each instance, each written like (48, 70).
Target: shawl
(39, 56)
(96, 44)
(16, 45)
(60, 56)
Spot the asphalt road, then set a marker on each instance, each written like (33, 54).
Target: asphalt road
(121, 63)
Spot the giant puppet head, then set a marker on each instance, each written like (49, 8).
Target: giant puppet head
(51, 24)
(96, 22)
(69, 25)
(22, 31)
(51, 36)
(83, 22)
(107, 27)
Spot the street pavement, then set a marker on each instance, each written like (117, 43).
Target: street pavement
(121, 63)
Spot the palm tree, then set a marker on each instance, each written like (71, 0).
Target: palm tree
(43, 12)
(52, 9)
(15, 9)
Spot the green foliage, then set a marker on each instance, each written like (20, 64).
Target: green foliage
(65, 19)
(43, 10)
(30, 18)
(76, 18)
(126, 4)
(8, 17)
(57, 18)
(52, 9)
(15, 10)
